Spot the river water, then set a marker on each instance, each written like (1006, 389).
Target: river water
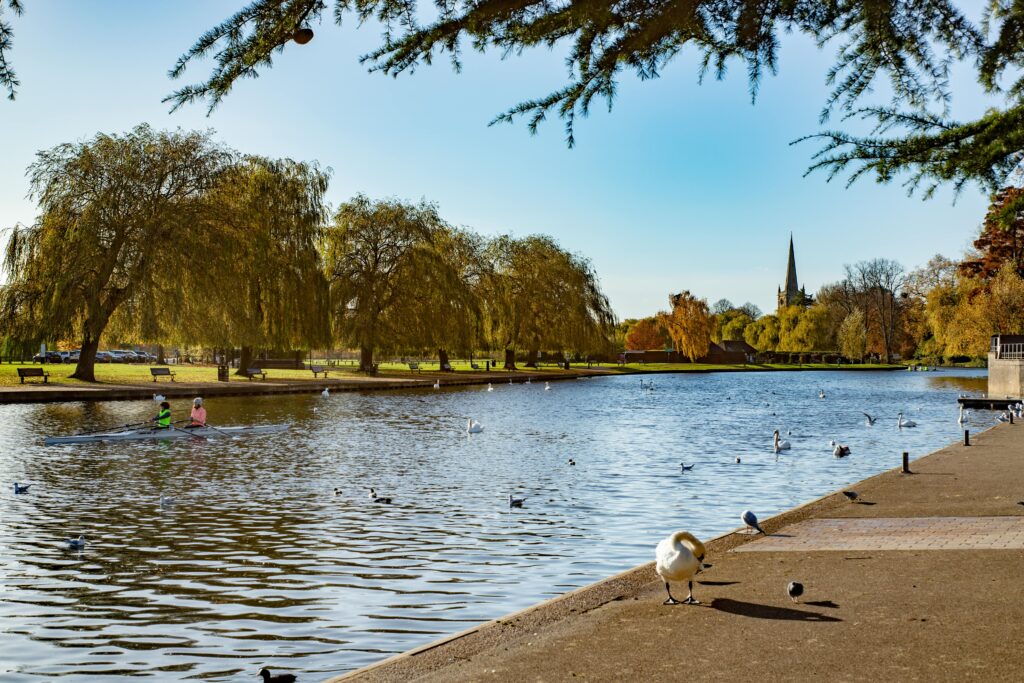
(259, 562)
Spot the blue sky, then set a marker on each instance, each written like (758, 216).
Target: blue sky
(681, 186)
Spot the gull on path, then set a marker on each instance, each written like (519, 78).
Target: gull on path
(750, 519)
(795, 590)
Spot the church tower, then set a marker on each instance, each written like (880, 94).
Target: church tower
(792, 295)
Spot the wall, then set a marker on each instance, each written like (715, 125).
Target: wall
(1005, 377)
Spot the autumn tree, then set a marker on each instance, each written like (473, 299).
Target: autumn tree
(879, 283)
(689, 325)
(646, 334)
(852, 336)
(120, 218)
(763, 333)
(1002, 236)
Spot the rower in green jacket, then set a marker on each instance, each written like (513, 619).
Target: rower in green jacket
(163, 418)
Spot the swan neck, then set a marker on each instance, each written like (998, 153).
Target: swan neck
(688, 539)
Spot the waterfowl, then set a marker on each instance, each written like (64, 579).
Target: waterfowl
(821, 394)
(840, 450)
(738, 460)
(572, 462)
(379, 499)
(159, 398)
(437, 384)
(337, 491)
(679, 558)
(473, 427)
(1003, 416)
(489, 387)
(685, 468)
(851, 496)
(21, 488)
(870, 420)
(901, 423)
(529, 380)
(547, 386)
(166, 501)
(279, 678)
(795, 590)
(778, 444)
(515, 502)
(75, 543)
(750, 519)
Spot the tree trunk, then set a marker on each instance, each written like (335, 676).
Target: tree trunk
(510, 359)
(442, 359)
(244, 361)
(531, 358)
(160, 360)
(86, 368)
(366, 359)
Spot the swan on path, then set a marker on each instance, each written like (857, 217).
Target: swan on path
(679, 558)
(325, 393)
(75, 543)
(795, 590)
(20, 488)
(515, 502)
(840, 450)
(901, 423)
(870, 420)
(750, 519)
(473, 427)
(778, 444)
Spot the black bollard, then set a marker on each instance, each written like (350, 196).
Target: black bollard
(1011, 417)
(906, 463)
(967, 437)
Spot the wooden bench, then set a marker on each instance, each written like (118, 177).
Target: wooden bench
(252, 372)
(161, 372)
(32, 372)
(317, 369)
(414, 367)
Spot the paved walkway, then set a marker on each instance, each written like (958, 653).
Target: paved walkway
(922, 581)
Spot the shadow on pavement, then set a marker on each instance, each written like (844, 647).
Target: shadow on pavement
(752, 609)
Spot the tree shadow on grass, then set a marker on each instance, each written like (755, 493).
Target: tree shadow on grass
(752, 609)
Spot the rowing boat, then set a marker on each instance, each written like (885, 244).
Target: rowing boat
(150, 433)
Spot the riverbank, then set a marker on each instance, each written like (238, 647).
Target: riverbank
(134, 382)
(918, 581)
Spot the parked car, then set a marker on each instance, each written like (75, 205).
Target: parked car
(73, 355)
(120, 356)
(48, 357)
(104, 357)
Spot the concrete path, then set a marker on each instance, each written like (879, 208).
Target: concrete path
(921, 581)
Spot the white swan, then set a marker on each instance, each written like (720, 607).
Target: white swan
(159, 398)
(473, 427)
(437, 384)
(679, 558)
(901, 423)
(778, 444)
(547, 386)
(489, 387)
(529, 380)
(325, 393)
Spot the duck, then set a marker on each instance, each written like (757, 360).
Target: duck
(547, 386)
(841, 451)
(75, 543)
(738, 461)
(278, 678)
(685, 468)
(778, 443)
(473, 427)
(679, 558)
(379, 499)
(489, 387)
(325, 393)
(515, 502)
(901, 423)
(21, 488)
(337, 491)
(572, 463)
(750, 519)
(870, 420)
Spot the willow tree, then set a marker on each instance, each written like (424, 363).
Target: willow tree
(397, 277)
(689, 324)
(541, 297)
(119, 214)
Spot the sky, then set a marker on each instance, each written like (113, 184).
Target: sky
(682, 186)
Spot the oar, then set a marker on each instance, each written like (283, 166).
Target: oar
(112, 429)
(192, 434)
(221, 431)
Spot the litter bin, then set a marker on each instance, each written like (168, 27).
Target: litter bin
(222, 373)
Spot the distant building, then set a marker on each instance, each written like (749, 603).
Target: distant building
(793, 294)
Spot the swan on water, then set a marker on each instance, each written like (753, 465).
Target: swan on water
(529, 380)
(841, 451)
(515, 502)
(437, 384)
(489, 387)
(325, 393)
(778, 444)
(547, 386)
(901, 423)
(750, 519)
(159, 398)
(75, 543)
(679, 558)
(870, 420)
(795, 590)
(473, 427)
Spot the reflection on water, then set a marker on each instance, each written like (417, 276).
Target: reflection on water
(258, 562)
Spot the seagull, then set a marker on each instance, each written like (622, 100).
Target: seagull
(901, 423)
(870, 420)
(21, 488)
(841, 451)
(159, 398)
(473, 427)
(685, 468)
(547, 386)
(964, 416)
(437, 384)
(750, 519)
(679, 558)
(279, 678)
(167, 502)
(1003, 417)
(75, 543)
(821, 394)
(379, 499)
(795, 590)
(515, 502)
(325, 393)
(851, 496)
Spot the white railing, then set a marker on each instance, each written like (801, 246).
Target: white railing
(1010, 351)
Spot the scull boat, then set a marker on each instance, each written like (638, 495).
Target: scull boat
(177, 433)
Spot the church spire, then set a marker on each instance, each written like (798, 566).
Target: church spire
(792, 287)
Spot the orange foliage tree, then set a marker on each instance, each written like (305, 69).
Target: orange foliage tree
(646, 334)
(689, 324)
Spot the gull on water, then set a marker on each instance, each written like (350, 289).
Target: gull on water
(795, 590)
(21, 488)
(679, 558)
(75, 543)
(870, 420)
(684, 467)
(473, 427)
(750, 519)
(515, 502)
(379, 499)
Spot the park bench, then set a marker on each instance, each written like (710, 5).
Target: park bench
(414, 367)
(252, 372)
(161, 372)
(317, 369)
(32, 372)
